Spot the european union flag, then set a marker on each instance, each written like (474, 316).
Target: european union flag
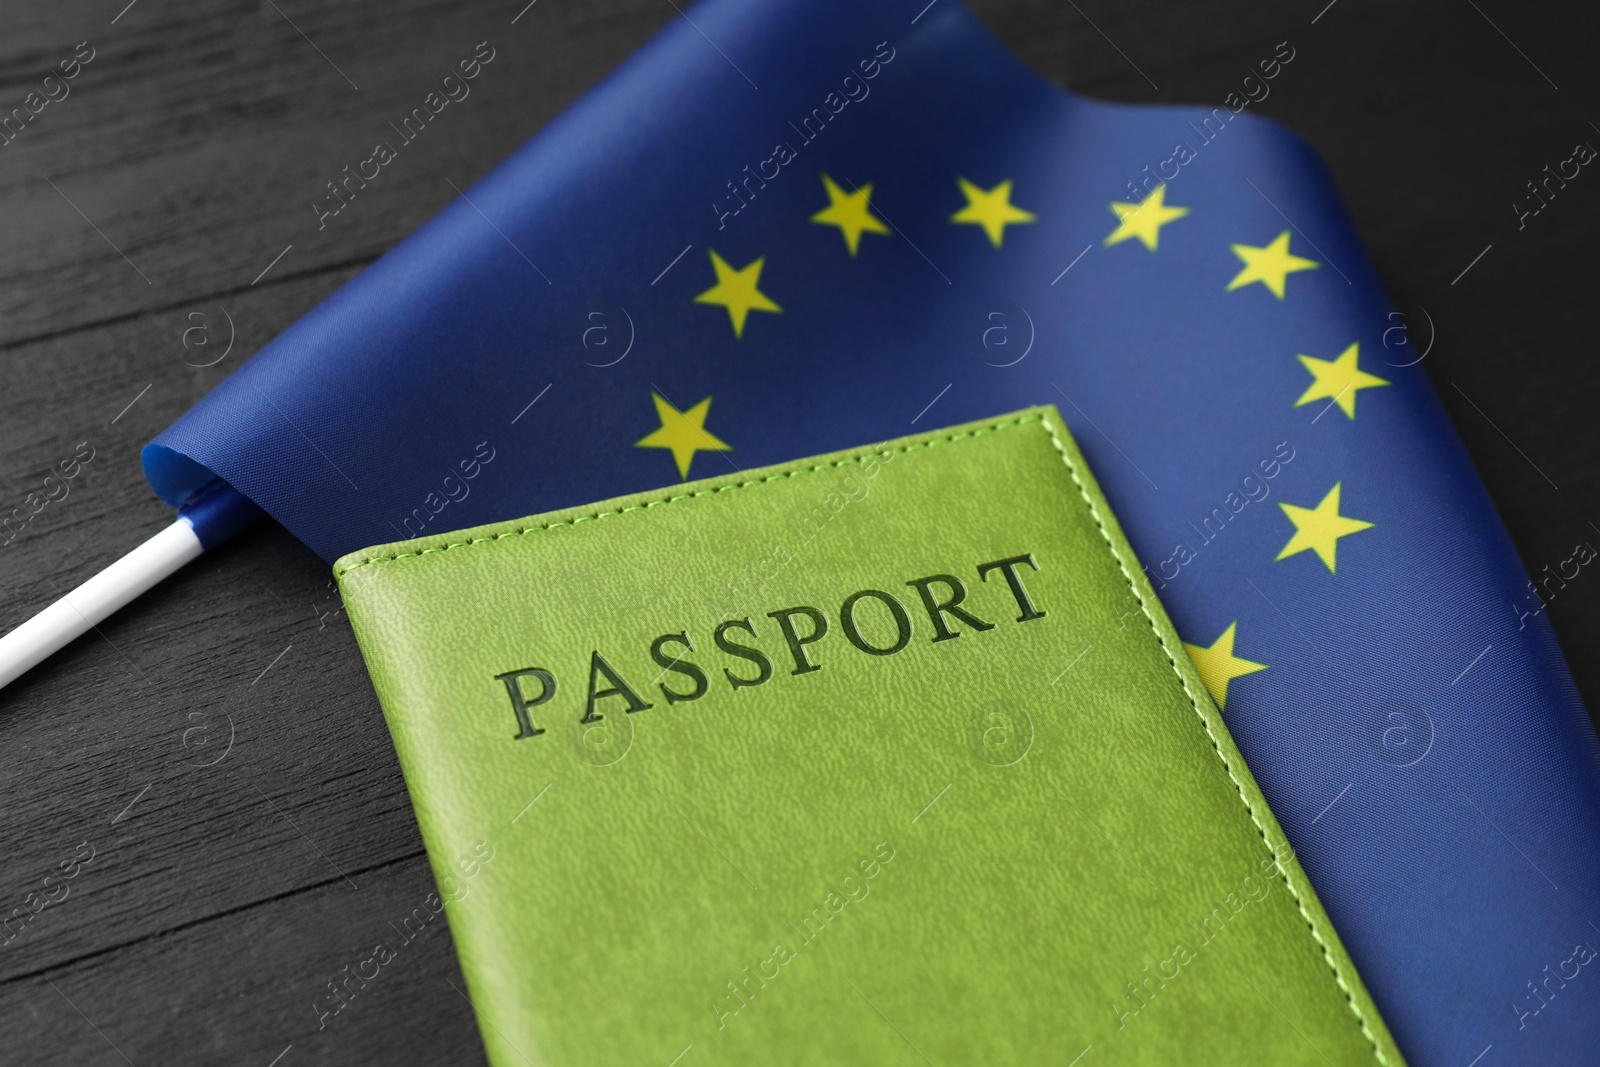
(791, 227)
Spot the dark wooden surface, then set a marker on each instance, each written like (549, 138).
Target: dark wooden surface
(219, 747)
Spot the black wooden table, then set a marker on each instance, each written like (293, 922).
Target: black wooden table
(216, 752)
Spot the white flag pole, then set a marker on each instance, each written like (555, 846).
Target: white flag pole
(206, 522)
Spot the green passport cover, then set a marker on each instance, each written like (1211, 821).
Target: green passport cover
(884, 757)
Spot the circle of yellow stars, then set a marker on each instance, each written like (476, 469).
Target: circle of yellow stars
(1318, 529)
(738, 289)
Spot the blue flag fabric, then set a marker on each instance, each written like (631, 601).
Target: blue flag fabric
(801, 225)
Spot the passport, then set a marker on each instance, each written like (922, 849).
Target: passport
(888, 756)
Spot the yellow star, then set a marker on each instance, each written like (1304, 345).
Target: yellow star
(851, 212)
(1320, 528)
(1144, 219)
(1270, 265)
(992, 209)
(684, 432)
(736, 290)
(1337, 380)
(1218, 665)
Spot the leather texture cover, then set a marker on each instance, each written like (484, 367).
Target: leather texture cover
(889, 756)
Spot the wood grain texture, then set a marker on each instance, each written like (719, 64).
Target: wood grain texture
(219, 746)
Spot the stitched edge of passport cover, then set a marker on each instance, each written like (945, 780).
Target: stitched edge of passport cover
(1319, 928)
